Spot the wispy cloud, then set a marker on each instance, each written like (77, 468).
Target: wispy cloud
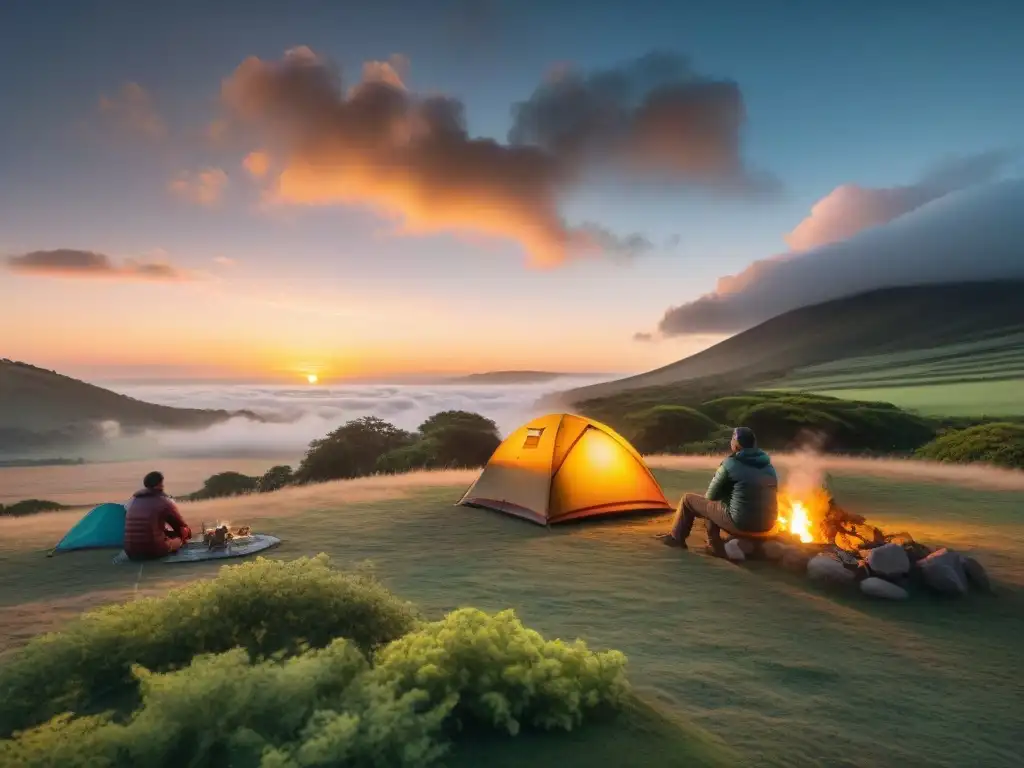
(132, 108)
(68, 262)
(203, 187)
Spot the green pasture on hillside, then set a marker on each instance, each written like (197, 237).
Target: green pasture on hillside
(978, 378)
(994, 399)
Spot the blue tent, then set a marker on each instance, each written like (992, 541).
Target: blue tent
(102, 527)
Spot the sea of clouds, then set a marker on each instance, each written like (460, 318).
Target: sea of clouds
(299, 414)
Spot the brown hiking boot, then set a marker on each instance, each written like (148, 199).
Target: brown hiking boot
(671, 541)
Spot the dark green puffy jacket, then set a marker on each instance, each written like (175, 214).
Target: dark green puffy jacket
(747, 483)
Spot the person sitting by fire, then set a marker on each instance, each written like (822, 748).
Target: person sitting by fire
(153, 527)
(742, 497)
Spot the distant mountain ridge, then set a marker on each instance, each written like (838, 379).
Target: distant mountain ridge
(518, 377)
(40, 409)
(883, 321)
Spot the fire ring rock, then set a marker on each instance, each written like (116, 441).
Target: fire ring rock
(828, 569)
(975, 573)
(876, 587)
(943, 571)
(795, 559)
(734, 551)
(888, 561)
(775, 550)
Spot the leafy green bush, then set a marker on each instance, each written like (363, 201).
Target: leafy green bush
(666, 427)
(716, 445)
(465, 419)
(30, 507)
(318, 708)
(1000, 443)
(263, 606)
(729, 410)
(449, 439)
(274, 479)
(782, 420)
(501, 674)
(460, 446)
(352, 450)
(417, 455)
(225, 484)
(340, 704)
(781, 424)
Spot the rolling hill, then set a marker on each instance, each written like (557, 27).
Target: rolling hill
(506, 377)
(521, 377)
(959, 335)
(41, 409)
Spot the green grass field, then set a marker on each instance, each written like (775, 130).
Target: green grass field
(983, 377)
(993, 399)
(743, 665)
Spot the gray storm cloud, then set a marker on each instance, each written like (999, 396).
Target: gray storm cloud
(69, 262)
(936, 231)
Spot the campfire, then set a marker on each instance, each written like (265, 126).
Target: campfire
(801, 515)
(814, 534)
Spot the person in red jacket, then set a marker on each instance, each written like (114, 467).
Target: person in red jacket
(153, 526)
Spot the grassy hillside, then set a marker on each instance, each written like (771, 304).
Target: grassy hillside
(784, 672)
(40, 408)
(947, 335)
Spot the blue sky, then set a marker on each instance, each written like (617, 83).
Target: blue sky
(867, 93)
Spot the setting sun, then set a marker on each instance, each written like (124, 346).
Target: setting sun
(312, 378)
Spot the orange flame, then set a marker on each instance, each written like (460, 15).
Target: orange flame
(801, 514)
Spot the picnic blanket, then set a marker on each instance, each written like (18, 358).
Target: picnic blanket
(197, 551)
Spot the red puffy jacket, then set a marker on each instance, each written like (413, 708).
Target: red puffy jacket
(152, 520)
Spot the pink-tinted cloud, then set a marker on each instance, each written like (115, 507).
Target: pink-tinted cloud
(412, 159)
(972, 234)
(850, 208)
(203, 187)
(68, 262)
(257, 163)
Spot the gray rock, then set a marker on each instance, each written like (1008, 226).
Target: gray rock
(976, 575)
(734, 551)
(747, 546)
(825, 568)
(887, 560)
(775, 550)
(876, 587)
(795, 559)
(943, 572)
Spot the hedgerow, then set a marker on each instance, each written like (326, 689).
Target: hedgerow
(351, 701)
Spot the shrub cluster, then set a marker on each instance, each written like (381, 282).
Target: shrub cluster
(369, 445)
(782, 420)
(29, 507)
(1000, 443)
(390, 691)
(264, 606)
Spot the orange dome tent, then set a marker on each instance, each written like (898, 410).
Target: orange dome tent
(564, 467)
